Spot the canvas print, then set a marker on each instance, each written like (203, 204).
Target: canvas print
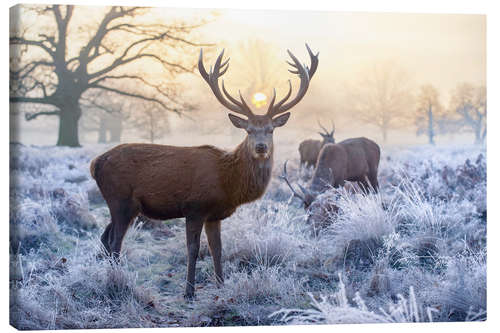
(178, 167)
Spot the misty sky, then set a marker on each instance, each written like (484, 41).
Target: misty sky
(440, 49)
(436, 48)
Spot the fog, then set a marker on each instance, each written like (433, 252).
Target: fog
(439, 49)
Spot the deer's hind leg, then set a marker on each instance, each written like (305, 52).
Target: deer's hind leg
(372, 177)
(105, 238)
(122, 214)
(212, 230)
(194, 225)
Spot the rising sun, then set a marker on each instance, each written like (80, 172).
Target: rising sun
(259, 99)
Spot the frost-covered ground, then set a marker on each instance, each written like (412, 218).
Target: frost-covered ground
(416, 252)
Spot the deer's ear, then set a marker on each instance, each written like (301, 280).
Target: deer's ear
(237, 121)
(281, 120)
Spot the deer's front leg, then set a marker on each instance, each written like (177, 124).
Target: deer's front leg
(212, 230)
(193, 231)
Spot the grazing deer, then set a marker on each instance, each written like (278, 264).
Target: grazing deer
(352, 159)
(309, 149)
(203, 184)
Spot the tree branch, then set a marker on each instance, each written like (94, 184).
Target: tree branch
(23, 41)
(26, 69)
(120, 61)
(134, 77)
(92, 103)
(36, 100)
(125, 93)
(33, 115)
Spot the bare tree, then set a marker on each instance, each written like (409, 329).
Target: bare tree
(58, 64)
(150, 122)
(382, 97)
(470, 105)
(428, 112)
(109, 125)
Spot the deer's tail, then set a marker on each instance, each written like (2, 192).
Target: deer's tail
(94, 166)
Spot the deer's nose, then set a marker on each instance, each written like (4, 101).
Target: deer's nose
(261, 148)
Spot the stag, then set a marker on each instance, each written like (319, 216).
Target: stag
(309, 149)
(353, 160)
(203, 184)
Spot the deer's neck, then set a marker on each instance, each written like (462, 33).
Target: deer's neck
(248, 177)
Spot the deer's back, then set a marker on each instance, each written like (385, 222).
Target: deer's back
(165, 181)
(309, 150)
(351, 160)
(363, 155)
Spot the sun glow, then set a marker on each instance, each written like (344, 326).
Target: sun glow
(259, 99)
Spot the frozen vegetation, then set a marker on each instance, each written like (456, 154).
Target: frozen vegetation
(415, 252)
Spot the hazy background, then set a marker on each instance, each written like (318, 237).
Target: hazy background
(443, 50)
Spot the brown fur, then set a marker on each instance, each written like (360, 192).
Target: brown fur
(203, 184)
(309, 151)
(165, 182)
(354, 159)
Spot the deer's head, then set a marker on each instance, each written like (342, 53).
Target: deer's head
(307, 196)
(326, 134)
(259, 128)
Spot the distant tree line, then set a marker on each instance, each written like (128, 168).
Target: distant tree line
(384, 97)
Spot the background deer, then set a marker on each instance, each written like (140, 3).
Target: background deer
(354, 159)
(203, 184)
(309, 149)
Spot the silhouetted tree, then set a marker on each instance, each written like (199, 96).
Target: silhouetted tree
(428, 112)
(382, 97)
(105, 117)
(150, 122)
(57, 64)
(470, 105)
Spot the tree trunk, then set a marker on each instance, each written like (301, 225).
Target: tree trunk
(115, 129)
(102, 131)
(477, 133)
(431, 126)
(68, 125)
(478, 130)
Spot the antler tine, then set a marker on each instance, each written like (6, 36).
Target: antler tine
(201, 68)
(218, 65)
(314, 61)
(324, 129)
(224, 67)
(302, 188)
(305, 73)
(284, 99)
(271, 103)
(243, 101)
(333, 128)
(212, 78)
(231, 98)
(285, 178)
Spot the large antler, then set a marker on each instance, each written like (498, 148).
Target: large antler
(327, 132)
(285, 178)
(333, 129)
(212, 79)
(305, 73)
(323, 128)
